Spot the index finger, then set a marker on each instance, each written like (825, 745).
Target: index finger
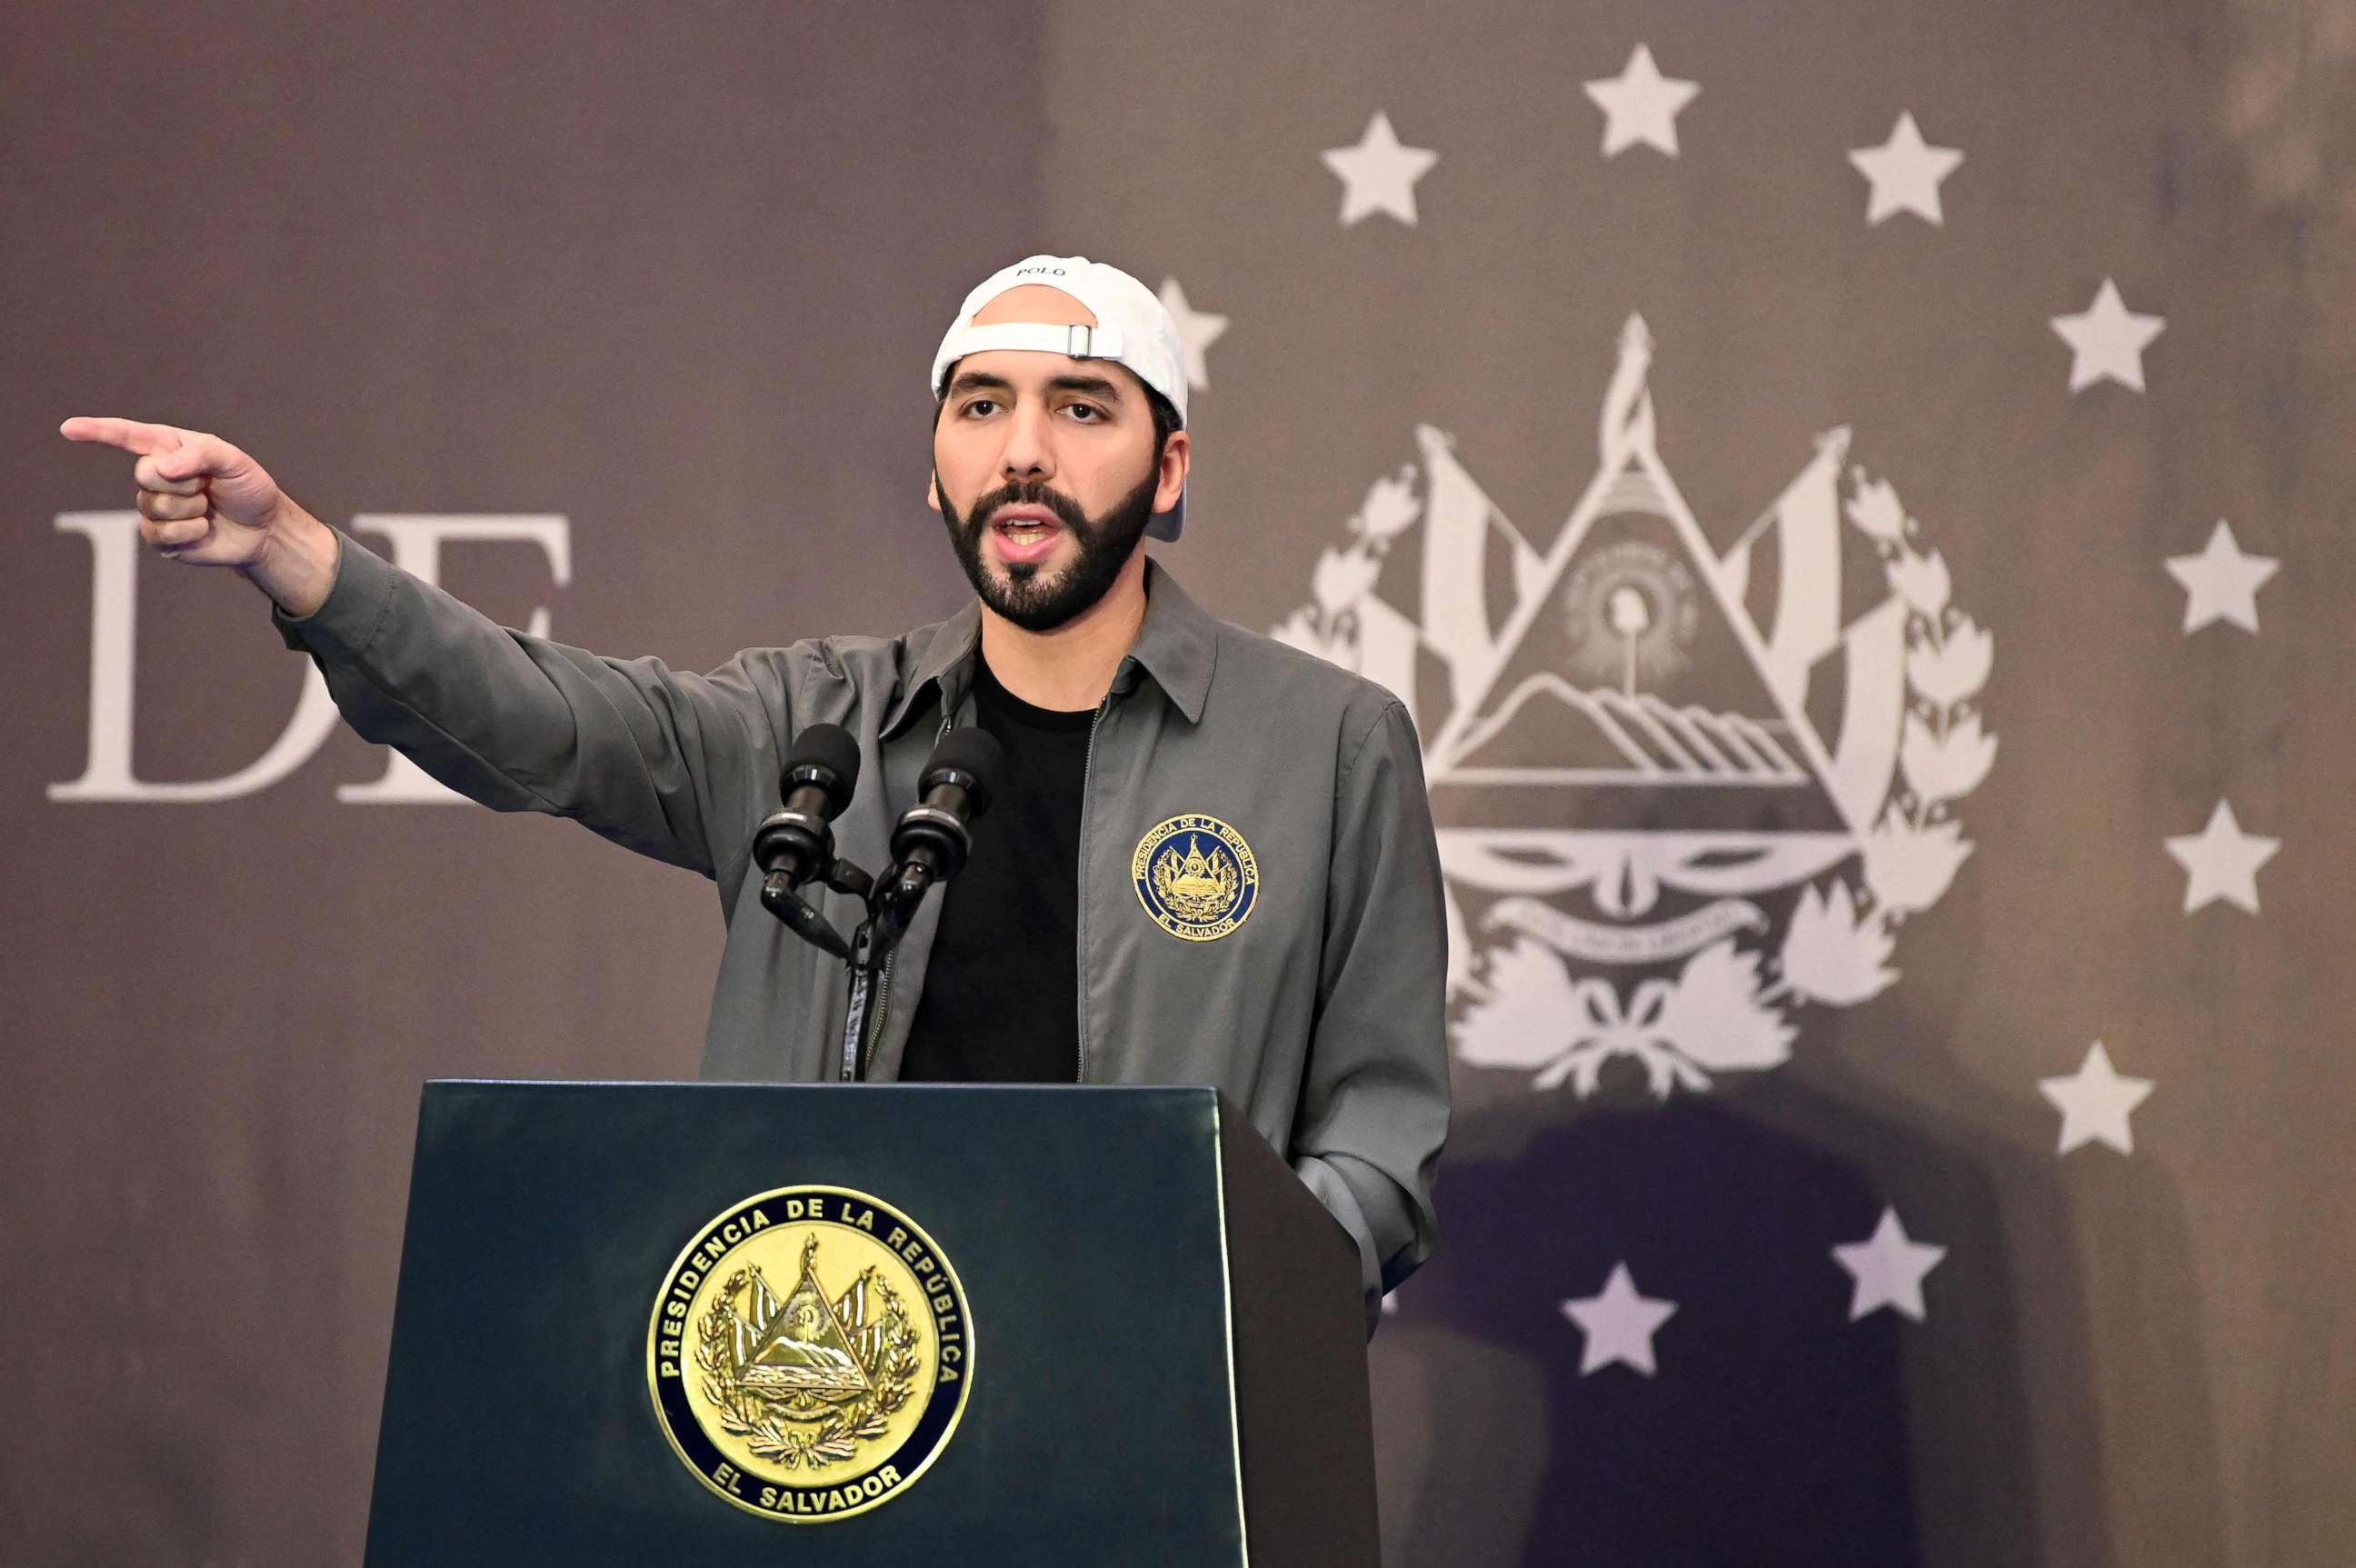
(128, 434)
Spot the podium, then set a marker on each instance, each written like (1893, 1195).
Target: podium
(655, 1322)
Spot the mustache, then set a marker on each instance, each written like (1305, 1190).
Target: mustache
(1034, 493)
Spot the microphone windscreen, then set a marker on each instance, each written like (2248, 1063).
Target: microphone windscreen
(968, 750)
(829, 747)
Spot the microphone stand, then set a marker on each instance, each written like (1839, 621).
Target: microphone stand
(868, 952)
(929, 844)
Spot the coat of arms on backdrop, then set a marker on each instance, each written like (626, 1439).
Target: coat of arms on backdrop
(1680, 794)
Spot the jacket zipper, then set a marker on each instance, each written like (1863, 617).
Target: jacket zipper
(883, 981)
(1079, 895)
(883, 1004)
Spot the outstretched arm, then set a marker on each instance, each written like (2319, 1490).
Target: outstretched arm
(659, 761)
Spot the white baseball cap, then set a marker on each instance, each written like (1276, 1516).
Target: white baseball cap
(1132, 328)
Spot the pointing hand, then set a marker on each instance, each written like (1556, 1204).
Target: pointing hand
(200, 499)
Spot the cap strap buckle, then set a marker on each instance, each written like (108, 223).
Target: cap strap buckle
(1077, 340)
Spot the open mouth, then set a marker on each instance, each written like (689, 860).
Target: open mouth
(1025, 533)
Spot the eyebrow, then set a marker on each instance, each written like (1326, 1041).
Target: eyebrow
(1088, 386)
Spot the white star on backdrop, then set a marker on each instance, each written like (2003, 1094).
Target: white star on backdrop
(1619, 1324)
(1905, 173)
(2221, 861)
(1888, 1269)
(2095, 1102)
(1378, 174)
(1198, 331)
(2221, 583)
(2106, 338)
(1640, 105)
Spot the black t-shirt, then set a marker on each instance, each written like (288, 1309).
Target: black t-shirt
(1002, 988)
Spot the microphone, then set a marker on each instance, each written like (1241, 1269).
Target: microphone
(797, 843)
(933, 837)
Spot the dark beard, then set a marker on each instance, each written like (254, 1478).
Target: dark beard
(1041, 603)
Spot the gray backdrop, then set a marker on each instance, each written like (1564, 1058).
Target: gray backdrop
(672, 278)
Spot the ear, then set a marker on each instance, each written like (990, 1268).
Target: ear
(932, 494)
(1175, 457)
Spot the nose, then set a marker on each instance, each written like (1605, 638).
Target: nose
(1029, 453)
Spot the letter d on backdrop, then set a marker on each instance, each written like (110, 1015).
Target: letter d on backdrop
(416, 541)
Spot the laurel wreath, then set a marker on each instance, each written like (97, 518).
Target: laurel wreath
(1917, 844)
(1837, 947)
(768, 1435)
(1726, 1008)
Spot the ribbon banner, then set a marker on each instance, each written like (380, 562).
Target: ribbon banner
(1575, 938)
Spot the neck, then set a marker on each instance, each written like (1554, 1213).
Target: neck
(1071, 666)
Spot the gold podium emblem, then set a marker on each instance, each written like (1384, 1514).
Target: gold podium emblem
(810, 1354)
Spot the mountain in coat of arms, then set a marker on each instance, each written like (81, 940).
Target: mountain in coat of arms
(1680, 792)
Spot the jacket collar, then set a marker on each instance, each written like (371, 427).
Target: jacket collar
(1177, 646)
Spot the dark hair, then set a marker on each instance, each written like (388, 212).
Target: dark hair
(1165, 415)
(1165, 420)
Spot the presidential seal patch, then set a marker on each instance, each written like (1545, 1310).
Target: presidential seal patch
(810, 1354)
(1196, 876)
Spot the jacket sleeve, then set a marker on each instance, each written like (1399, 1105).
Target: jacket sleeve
(655, 760)
(1374, 1105)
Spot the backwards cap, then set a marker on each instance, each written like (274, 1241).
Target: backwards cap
(1132, 328)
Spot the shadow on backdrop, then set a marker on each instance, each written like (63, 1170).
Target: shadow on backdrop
(1775, 1429)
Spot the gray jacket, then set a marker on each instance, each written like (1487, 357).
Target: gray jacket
(1319, 1013)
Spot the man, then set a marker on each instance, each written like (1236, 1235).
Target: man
(1218, 847)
